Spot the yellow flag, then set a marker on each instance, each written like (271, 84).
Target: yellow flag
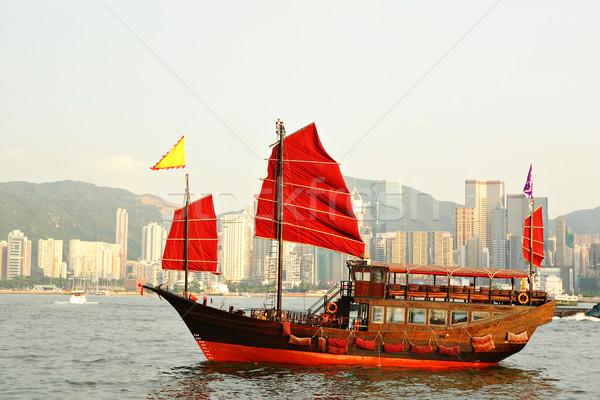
(173, 159)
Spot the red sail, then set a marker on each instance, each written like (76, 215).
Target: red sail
(317, 207)
(538, 238)
(202, 238)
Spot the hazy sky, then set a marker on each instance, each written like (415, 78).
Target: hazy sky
(430, 93)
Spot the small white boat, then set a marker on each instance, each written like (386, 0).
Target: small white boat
(78, 297)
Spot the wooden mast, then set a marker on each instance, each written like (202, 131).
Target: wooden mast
(531, 272)
(281, 134)
(185, 247)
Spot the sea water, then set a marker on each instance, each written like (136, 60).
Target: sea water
(133, 347)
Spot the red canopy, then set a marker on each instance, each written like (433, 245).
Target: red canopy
(317, 207)
(202, 238)
(453, 270)
(538, 238)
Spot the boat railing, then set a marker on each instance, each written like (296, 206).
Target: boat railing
(343, 287)
(469, 294)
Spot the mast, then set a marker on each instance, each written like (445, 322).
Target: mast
(531, 271)
(281, 134)
(185, 247)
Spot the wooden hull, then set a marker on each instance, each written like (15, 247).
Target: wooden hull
(230, 337)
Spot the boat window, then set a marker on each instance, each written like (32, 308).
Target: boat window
(366, 276)
(477, 315)
(437, 317)
(377, 317)
(395, 315)
(377, 275)
(416, 315)
(459, 317)
(358, 274)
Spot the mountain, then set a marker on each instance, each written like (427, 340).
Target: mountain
(420, 211)
(580, 221)
(75, 210)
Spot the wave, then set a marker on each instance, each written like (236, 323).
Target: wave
(577, 317)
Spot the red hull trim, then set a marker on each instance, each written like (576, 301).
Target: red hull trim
(214, 351)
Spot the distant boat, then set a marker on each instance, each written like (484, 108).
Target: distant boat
(385, 314)
(594, 311)
(564, 299)
(78, 297)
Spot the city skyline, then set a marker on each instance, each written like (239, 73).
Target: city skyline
(429, 94)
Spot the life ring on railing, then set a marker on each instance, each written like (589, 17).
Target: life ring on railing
(523, 298)
(331, 308)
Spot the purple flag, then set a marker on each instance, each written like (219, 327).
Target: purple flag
(528, 189)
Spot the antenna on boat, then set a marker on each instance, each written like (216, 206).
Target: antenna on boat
(281, 133)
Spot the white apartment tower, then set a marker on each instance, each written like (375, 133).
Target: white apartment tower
(236, 240)
(18, 257)
(121, 233)
(153, 241)
(50, 253)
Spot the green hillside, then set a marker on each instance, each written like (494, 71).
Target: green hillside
(72, 210)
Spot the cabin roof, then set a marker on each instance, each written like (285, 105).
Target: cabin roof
(453, 270)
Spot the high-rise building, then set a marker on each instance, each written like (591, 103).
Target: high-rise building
(386, 206)
(121, 235)
(95, 260)
(499, 245)
(154, 237)
(484, 197)
(428, 248)
(474, 254)
(560, 259)
(236, 241)
(464, 225)
(3, 255)
(18, 258)
(50, 254)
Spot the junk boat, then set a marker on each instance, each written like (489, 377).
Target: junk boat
(385, 314)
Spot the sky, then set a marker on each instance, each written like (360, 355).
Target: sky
(429, 93)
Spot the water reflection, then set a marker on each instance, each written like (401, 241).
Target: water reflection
(260, 380)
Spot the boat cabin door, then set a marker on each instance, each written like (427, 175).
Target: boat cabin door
(369, 281)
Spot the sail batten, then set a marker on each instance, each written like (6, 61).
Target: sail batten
(317, 205)
(201, 241)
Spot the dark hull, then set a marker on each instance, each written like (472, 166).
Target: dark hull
(227, 336)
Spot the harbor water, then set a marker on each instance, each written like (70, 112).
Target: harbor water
(133, 347)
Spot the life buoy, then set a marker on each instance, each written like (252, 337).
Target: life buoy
(331, 308)
(522, 298)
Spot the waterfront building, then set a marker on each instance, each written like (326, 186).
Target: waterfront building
(236, 241)
(414, 247)
(18, 257)
(475, 254)
(385, 213)
(499, 244)
(50, 258)
(154, 237)
(3, 255)
(560, 258)
(483, 196)
(95, 260)
(463, 225)
(121, 235)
